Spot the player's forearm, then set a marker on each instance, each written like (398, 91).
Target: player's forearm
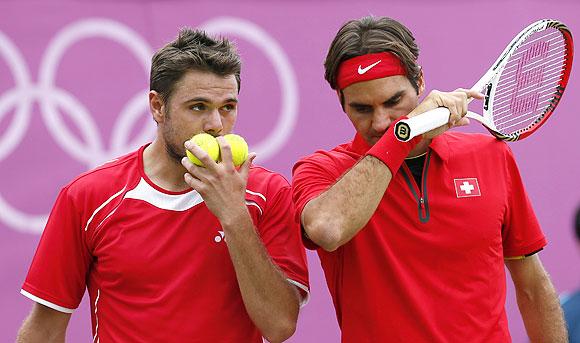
(32, 332)
(337, 215)
(541, 312)
(271, 301)
(43, 325)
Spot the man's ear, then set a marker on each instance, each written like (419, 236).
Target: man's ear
(340, 95)
(156, 106)
(420, 82)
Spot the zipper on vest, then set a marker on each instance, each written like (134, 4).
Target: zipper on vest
(419, 191)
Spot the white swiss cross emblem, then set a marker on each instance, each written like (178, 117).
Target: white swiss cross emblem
(467, 187)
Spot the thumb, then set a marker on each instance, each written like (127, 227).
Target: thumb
(245, 168)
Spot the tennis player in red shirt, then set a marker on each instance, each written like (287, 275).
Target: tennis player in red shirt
(413, 237)
(170, 252)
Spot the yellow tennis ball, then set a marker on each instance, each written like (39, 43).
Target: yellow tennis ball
(208, 143)
(239, 148)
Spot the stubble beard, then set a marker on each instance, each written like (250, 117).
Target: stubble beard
(175, 152)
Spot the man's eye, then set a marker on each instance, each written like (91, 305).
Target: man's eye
(229, 107)
(198, 107)
(363, 109)
(393, 102)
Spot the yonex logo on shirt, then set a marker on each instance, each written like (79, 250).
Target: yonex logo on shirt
(220, 237)
(468, 187)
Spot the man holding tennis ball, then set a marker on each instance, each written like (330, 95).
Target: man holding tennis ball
(171, 251)
(210, 145)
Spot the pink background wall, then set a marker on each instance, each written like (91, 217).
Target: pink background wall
(73, 82)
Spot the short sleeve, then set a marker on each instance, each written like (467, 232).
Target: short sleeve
(280, 233)
(310, 178)
(521, 232)
(57, 275)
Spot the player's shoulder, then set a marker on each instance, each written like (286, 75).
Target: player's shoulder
(474, 142)
(109, 175)
(340, 155)
(263, 178)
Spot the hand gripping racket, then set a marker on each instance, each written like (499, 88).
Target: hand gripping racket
(522, 88)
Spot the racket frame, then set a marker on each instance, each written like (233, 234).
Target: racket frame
(406, 129)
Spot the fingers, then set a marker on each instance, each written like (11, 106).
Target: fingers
(457, 103)
(226, 153)
(212, 170)
(462, 122)
(193, 182)
(194, 171)
(201, 154)
(194, 177)
(245, 168)
(474, 94)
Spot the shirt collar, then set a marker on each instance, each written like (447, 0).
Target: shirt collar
(440, 145)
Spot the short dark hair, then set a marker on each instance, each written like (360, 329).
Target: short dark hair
(372, 35)
(192, 50)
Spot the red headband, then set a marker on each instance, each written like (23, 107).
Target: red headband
(368, 67)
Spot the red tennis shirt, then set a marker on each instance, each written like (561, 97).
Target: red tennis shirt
(429, 264)
(155, 262)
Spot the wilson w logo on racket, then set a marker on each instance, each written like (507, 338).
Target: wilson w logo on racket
(522, 88)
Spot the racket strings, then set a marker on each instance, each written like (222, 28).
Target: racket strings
(548, 82)
(529, 82)
(553, 60)
(505, 102)
(527, 106)
(531, 46)
(513, 67)
(547, 68)
(507, 125)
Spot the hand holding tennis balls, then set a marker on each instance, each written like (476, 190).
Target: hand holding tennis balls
(209, 143)
(239, 148)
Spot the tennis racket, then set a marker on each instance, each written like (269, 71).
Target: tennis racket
(522, 88)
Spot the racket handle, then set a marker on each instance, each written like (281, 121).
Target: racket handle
(407, 129)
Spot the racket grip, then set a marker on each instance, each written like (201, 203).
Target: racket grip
(407, 129)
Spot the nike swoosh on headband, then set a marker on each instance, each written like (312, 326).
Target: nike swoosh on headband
(362, 70)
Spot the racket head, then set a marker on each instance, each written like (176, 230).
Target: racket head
(526, 83)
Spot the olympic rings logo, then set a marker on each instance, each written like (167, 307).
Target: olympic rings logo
(91, 151)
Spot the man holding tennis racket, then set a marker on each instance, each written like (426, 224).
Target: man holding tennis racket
(413, 236)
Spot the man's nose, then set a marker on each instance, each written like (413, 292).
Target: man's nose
(381, 120)
(213, 122)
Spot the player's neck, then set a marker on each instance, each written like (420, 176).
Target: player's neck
(420, 148)
(162, 169)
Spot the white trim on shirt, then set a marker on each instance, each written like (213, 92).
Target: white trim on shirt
(253, 203)
(45, 302)
(306, 299)
(256, 193)
(173, 202)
